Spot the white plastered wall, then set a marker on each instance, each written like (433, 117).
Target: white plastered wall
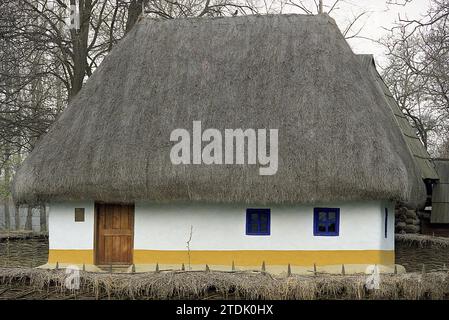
(64, 232)
(222, 227)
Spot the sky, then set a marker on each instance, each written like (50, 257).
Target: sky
(376, 23)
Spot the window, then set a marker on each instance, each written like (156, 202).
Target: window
(326, 221)
(386, 222)
(79, 214)
(258, 222)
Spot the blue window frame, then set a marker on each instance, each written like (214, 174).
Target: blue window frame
(386, 222)
(326, 222)
(258, 222)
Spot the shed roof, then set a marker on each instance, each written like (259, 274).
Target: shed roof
(416, 147)
(440, 194)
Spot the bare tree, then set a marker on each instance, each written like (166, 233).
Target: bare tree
(352, 27)
(168, 9)
(417, 73)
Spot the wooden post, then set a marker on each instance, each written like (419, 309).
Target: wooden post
(263, 266)
(207, 268)
(314, 269)
(183, 268)
(17, 217)
(157, 267)
(395, 269)
(84, 267)
(6, 207)
(7, 183)
(29, 218)
(43, 218)
(8, 251)
(133, 268)
(343, 272)
(233, 266)
(57, 265)
(289, 270)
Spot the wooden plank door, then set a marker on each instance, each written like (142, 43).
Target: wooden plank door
(114, 234)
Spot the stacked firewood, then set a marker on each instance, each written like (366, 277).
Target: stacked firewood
(407, 221)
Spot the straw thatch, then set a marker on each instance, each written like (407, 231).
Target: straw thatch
(235, 285)
(422, 241)
(422, 158)
(337, 137)
(440, 194)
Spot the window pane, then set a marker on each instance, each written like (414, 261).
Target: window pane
(253, 223)
(254, 227)
(332, 222)
(322, 216)
(322, 227)
(264, 222)
(254, 217)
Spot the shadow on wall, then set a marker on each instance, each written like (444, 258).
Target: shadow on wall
(35, 219)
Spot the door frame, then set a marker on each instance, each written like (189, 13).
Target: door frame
(96, 235)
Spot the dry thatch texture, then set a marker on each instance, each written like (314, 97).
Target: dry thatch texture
(440, 195)
(420, 154)
(22, 234)
(420, 240)
(337, 137)
(239, 285)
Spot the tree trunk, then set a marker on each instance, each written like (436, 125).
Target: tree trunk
(29, 220)
(43, 218)
(134, 11)
(80, 46)
(7, 178)
(17, 217)
(7, 216)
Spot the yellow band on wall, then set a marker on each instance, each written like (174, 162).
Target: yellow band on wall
(271, 257)
(71, 256)
(240, 257)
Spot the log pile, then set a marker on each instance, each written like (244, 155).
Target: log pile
(407, 221)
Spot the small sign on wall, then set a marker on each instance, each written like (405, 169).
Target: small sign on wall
(79, 214)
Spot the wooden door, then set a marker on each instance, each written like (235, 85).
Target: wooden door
(114, 234)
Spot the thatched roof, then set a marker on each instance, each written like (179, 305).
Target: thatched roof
(440, 194)
(338, 139)
(421, 156)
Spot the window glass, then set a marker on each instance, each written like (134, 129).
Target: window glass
(258, 221)
(326, 221)
(263, 223)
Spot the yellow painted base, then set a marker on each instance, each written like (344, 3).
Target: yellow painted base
(271, 257)
(71, 256)
(239, 257)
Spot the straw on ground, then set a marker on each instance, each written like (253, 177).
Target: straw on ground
(239, 285)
